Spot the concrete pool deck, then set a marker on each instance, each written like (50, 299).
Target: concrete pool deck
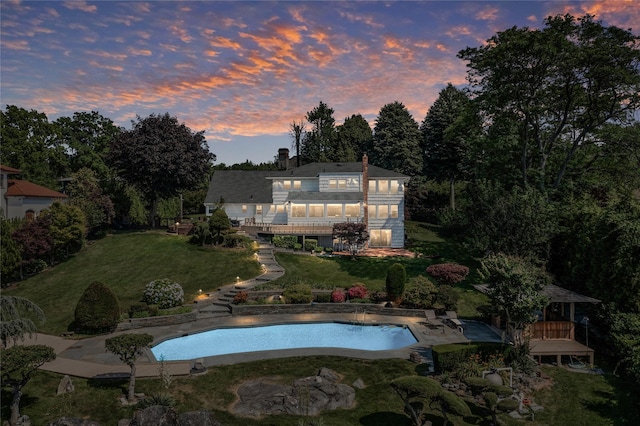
(88, 358)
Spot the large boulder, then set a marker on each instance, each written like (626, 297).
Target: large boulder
(307, 396)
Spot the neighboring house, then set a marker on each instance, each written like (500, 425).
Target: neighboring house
(306, 201)
(553, 334)
(24, 199)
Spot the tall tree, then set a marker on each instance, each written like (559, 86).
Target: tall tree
(35, 241)
(318, 142)
(396, 141)
(129, 347)
(354, 138)
(446, 130)
(161, 157)
(86, 137)
(296, 130)
(29, 143)
(17, 316)
(86, 194)
(18, 364)
(558, 86)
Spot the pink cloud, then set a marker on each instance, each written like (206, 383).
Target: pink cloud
(80, 5)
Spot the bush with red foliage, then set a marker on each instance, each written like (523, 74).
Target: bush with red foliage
(448, 273)
(338, 296)
(358, 291)
(240, 297)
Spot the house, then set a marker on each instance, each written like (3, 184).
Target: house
(553, 334)
(306, 201)
(24, 199)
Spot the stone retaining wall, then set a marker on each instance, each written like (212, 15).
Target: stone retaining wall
(324, 308)
(133, 323)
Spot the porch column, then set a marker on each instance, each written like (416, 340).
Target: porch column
(572, 315)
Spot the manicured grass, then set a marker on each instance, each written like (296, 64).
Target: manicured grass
(127, 263)
(573, 399)
(585, 399)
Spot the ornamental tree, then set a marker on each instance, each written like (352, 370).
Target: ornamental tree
(129, 347)
(98, 309)
(354, 234)
(17, 316)
(514, 286)
(17, 365)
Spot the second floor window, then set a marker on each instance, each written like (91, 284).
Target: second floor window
(259, 209)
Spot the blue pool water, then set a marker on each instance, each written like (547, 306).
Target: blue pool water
(226, 341)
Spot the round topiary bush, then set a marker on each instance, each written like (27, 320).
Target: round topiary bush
(337, 296)
(358, 291)
(164, 293)
(97, 310)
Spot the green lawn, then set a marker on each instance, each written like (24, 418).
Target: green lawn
(127, 263)
(573, 399)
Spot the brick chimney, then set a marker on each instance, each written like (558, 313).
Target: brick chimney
(283, 159)
(365, 188)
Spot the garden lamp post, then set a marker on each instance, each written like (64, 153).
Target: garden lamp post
(585, 322)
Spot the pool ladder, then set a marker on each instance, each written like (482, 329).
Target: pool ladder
(355, 317)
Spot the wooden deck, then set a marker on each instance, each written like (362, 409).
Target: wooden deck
(558, 348)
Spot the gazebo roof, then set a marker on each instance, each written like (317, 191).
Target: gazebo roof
(555, 294)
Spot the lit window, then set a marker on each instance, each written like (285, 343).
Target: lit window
(372, 186)
(383, 212)
(333, 183)
(297, 184)
(244, 208)
(334, 210)
(380, 238)
(316, 210)
(299, 210)
(342, 183)
(259, 209)
(383, 186)
(394, 187)
(352, 210)
(280, 209)
(286, 184)
(394, 211)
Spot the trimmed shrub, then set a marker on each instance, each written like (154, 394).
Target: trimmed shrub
(508, 404)
(236, 240)
(323, 297)
(422, 293)
(164, 293)
(358, 291)
(240, 297)
(297, 246)
(318, 249)
(284, 241)
(448, 273)
(447, 298)
(298, 293)
(328, 250)
(395, 281)
(338, 296)
(310, 244)
(98, 309)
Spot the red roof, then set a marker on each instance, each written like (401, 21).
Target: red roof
(24, 188)
(9, 170)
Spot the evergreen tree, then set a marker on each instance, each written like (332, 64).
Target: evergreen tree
(396, 141)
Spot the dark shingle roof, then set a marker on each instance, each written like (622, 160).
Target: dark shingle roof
(314, 169)
(554, 293)
(241, 186)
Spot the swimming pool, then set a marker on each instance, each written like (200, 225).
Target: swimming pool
(225, 341)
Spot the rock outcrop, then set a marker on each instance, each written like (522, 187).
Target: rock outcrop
(308, 396)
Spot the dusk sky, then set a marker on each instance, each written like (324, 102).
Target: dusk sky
(243, 71)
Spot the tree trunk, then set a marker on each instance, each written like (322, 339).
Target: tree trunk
(452, 193)
(132, 383)
(152, 212)
(15, 406)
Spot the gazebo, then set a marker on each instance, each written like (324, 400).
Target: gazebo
(554, 332)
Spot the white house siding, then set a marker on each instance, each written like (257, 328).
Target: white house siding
(353, 183)
(395, 225)
(17, 207)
